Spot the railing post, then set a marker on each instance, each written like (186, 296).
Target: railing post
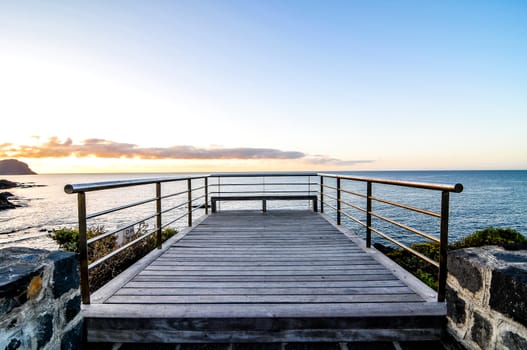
(321, 194)
(158, 215)
(368, 214)
(189, 197)
(83, 248)
(338, 201)
(206, 195)
(443, 248)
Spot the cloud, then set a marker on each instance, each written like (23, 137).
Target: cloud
(320, 159)
(55, 148)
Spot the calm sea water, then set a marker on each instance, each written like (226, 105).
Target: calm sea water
(490, 198)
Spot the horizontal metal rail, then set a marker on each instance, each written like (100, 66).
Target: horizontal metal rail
(346, 191)
(405, 247)
(126, 206)
(119, 229)
(120, 249)
(255, 192)
(407, 228)
(408, 207)
(266, 184)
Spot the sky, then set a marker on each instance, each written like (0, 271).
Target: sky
(178, 86)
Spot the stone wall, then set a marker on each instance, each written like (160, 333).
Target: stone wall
(487, 298)
(39, 300)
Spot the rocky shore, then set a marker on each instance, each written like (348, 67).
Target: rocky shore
(4, 196)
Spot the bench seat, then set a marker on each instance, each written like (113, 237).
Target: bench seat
(264, 199)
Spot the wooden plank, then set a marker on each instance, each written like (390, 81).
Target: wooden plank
(247, 284)
(289, 336)
(180, 291)
(212, 311)
(193, 278)
(261, 269)
(261, 273)
(263, 299)
(283, 262)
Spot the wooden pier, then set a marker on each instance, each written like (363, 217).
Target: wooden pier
(278, 276)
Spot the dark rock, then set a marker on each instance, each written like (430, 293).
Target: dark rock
(65, 273)
(382, 248)
(464, 270)
(72, 340)
(419, 345)
(507, 293)
(257, 346)
(481, 331)
(14, 167)
(161, 346)
(455, 306)
(73, 307)
(45, 330)
(204, 346)
(385, 345)
(514, 341)
(312, 346)
(13, 344)
(4, 201)
(6, 184)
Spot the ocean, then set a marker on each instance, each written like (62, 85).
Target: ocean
(489, 198)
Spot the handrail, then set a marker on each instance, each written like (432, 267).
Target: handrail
(445, 189)
(107, 185)
(457, 188)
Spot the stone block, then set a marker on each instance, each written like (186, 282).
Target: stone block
(481, 331)
(45, 329)
(14, 344)
(71, 339)
(72, 309)
(455, 306)
(508, 293)
(461, 265)
(65, 273)
(19, 267)
(513, 341)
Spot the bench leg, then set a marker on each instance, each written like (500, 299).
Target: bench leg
(315, 205)
(264, 205)
(213, 206)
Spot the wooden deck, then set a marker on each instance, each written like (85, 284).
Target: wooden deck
(280, 276)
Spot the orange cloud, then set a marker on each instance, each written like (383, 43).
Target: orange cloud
(101, 148)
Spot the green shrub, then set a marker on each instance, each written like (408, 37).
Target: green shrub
(428, 273)
(68, 239)
(415, 265)
(491, 236)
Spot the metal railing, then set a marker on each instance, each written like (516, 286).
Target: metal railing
(253, 184)
(158, 215)
(369, 198)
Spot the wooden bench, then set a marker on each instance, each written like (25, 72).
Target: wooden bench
(264, 199)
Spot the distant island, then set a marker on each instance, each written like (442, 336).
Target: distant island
(14, 167)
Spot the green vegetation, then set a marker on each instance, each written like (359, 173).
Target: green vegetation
(428, 273)
(503, 237)
(68, 239)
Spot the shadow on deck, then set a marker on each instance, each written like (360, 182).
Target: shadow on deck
(281, 276)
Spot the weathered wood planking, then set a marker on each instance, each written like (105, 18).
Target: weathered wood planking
(252, 276)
